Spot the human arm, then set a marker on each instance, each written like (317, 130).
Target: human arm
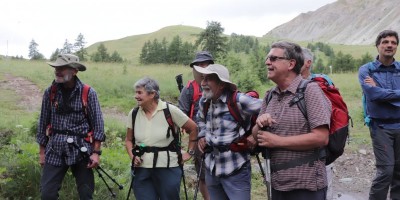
(318, 137)
(185, 100)
(96, 117)
(44, 121)
(129, 147)
(190, 127)
(97, 125)
(201, 123)
(314, 127)
(95, 157)
(379, 88)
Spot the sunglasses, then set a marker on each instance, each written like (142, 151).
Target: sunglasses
(275, 58)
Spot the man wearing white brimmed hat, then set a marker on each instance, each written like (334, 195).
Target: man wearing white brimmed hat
(228, 174)
(189, 104)
(70, 130)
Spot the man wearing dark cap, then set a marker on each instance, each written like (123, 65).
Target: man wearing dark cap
(70, 130)
(189, 104)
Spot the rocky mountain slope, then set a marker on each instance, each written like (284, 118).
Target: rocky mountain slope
(344, 22)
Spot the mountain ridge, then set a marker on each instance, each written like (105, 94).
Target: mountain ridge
(347, 22)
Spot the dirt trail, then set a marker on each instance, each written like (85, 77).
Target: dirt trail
(352, 172)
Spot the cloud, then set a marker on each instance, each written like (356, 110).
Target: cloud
(51, 22)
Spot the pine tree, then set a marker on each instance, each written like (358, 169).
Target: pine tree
(79, 47)
(211, 39)
(34, 53)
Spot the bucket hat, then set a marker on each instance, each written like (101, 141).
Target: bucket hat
(68, 60)
(201, 57)
(220, 70)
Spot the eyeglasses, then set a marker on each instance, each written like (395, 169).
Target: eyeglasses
(275, 58)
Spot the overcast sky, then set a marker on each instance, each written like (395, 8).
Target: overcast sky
(51, 22)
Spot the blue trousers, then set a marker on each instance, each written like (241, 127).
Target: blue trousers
(234, 187)
(386, 144)
(157, 183)
(53, 176)
(299, 195)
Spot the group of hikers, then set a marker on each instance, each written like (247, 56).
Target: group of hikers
(222, 131)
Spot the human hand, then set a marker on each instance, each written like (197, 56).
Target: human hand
(265, 120)
(42, 159)
(94, 161)
(201, 143)
(137, 161)
(185, 156)
(251, 142)
(267, 139)
(369, 81)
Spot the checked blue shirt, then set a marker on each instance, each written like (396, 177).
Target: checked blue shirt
(68, 116)
(220, 128)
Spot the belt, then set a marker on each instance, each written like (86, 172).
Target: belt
(386, 121)
(68, 132)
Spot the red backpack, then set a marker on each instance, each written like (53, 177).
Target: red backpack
(239, 144)
(339, 125)
(196, 96)
(85, 96)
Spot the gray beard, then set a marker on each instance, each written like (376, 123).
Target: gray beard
(65, 78)
(208, 95)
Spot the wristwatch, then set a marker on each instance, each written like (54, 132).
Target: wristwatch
(97, 152)
(191, 152)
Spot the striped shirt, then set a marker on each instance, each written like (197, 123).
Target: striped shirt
(68, 116)
(290, 122)
(220, 128)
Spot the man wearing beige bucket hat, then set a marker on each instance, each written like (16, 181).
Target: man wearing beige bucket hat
(189, 104)
(228, 170)
(70, 130)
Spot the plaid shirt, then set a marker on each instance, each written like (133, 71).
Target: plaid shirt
(68, 116)
(220, 128)
(290, 122)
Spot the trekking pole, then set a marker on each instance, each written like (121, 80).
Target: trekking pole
(268, 173)
(86, 156)
(112, 179)
(179, 81)
(267, 156)
(184, 182)
(105, 182)
(198, 178)
(135, 152)
(261, 169)
(132, 177)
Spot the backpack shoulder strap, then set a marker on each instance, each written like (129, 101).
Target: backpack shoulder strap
(134, 114)
(53, 93)
(299, 97)
(371, 68)
(233, 107)
(175, 133)
(168, 117)
(85, 97)
(268, 97)
(206, 106)
(196, 95)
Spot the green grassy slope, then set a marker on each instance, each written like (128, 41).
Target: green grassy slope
(130, 47)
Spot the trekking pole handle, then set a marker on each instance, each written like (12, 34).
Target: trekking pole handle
(179, 81)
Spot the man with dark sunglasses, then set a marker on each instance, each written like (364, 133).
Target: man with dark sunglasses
(292, 140)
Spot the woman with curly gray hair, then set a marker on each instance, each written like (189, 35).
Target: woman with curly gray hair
(152, 142)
